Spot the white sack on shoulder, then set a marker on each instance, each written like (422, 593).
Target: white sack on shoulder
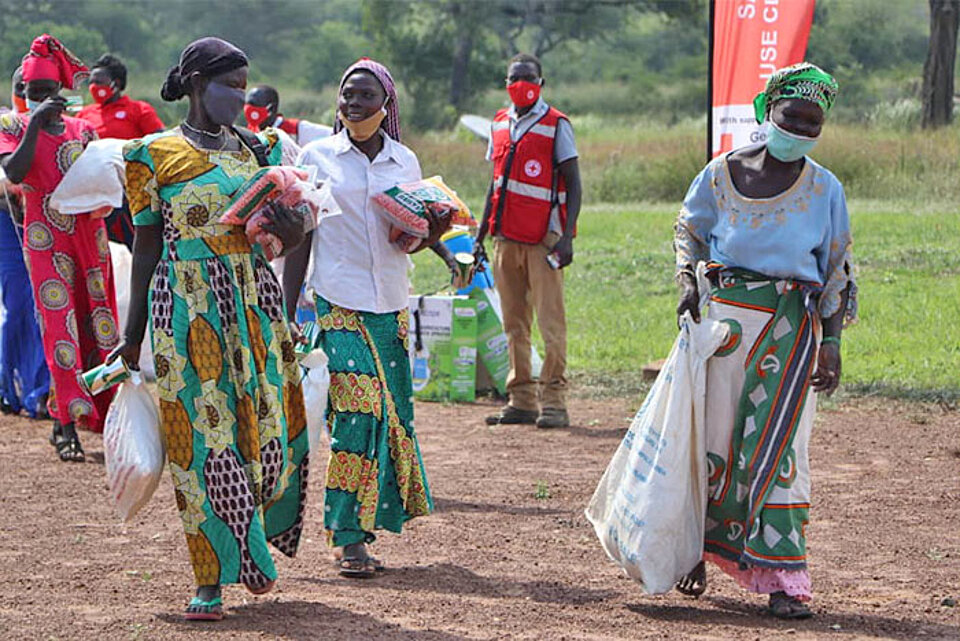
(132, 447)
(94, 180)
(649, 508)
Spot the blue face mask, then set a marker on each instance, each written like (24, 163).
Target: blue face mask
(786, 146)
(32, 105)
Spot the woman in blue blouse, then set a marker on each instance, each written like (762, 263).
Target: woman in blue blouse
(772, 228)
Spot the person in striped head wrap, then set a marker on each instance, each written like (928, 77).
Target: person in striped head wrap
(771, 229)
(376, 478)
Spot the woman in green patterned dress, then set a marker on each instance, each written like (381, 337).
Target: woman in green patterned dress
(231, 405)
(375, 478)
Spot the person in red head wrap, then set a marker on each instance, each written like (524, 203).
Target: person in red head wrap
(67, 256)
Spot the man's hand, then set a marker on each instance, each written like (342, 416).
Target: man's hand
(479, 257)
(564, 250)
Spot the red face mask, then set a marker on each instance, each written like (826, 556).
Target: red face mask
(255, 116)
(523, 93)
(101, 93)
(19, 104)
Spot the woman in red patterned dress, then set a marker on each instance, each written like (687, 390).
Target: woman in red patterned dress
(67, 256)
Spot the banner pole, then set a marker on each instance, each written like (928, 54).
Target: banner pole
(712, 30)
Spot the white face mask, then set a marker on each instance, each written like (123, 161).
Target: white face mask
(32, 105)
(786, 146)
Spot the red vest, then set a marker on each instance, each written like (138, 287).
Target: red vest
(290, 126)
(526, 184)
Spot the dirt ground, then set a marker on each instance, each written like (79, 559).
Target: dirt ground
(499, 559)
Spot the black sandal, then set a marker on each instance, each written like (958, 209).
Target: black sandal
(354, 568)
(784, 606)
(69, 450)
(694, 582)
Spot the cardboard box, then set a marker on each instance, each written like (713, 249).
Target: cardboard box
(491, 341)
(445, 365)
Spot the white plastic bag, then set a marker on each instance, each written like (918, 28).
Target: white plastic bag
(94, 181)
(649, 508)
(132, 446)
(316, 385)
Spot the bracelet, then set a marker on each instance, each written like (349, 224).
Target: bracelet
(830, 339)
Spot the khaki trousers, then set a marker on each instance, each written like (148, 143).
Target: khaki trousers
(526, 283)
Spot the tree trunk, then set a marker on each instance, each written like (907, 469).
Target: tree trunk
(938, 68)
(460, 72)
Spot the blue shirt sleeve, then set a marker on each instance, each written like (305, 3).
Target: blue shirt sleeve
(696, 221)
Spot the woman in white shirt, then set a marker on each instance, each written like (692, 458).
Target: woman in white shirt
(375, 479)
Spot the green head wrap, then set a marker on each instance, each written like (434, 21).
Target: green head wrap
(802, 81)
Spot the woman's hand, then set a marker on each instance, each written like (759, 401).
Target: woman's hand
(128, 351)
(827, 377)
(286, 224)
(50, 110)
(439, 219)
(689, 298)
(295, 334)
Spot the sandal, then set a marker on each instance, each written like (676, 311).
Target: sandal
(358, 568)
(69, 450)
(694, 583)
(378, 565)
(262, 589)
(784, 606)
(200, 610)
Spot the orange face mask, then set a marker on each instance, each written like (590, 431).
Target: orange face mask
(19, 104)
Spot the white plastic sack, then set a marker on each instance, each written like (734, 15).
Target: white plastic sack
(316, 385)
(648, 510)
(122, 262)
(93, 181)
(132, 447)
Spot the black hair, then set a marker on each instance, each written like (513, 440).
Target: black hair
(528, 58)
(270, 93)
(210, 56)
(114, 68)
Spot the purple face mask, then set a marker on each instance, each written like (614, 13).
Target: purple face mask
(223, 103)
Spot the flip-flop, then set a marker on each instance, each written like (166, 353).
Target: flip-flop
(783, 606)
(357, 568)
(261, 590)
(694, 582)
(200, 610)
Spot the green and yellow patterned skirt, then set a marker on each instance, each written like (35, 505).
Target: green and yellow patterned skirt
(375, 479)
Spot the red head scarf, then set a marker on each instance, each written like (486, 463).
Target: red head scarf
(50, 60)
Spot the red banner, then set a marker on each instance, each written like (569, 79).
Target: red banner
(750, 39)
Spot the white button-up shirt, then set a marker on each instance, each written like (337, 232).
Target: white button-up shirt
(354, 263)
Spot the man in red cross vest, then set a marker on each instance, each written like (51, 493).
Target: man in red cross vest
(262, 109)
(531, 213)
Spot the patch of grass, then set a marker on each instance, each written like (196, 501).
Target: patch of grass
(621, 298)
(542, 492)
